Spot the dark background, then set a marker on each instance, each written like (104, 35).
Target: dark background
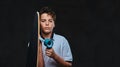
(91, 26)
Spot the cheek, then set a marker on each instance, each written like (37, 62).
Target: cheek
(41, 26)
(53, 25)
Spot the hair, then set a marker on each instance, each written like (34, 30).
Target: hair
(49, 11)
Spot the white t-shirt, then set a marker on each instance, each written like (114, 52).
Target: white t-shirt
(61, 48)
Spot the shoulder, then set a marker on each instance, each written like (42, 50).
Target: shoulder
(59, 36)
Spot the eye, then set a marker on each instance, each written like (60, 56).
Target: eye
(50, 20)
(43, 20)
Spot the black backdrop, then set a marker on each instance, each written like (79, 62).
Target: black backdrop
(91, 27)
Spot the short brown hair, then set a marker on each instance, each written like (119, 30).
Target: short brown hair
(49, 11)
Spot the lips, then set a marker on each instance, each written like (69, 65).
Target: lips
(47, 28)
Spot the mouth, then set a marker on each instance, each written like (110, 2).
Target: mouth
(47, 28)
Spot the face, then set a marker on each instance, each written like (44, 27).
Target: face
(46, 23)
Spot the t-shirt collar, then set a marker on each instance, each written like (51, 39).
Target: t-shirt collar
(42, 39)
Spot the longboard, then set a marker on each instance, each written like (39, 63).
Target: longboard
(39, 47)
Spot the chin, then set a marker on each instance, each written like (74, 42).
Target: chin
(47, 32)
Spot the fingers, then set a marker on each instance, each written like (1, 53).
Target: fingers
(49, 52)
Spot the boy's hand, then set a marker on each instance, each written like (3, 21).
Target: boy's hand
(50, 52)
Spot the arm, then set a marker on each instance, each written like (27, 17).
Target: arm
(61, 61)
(58, 59)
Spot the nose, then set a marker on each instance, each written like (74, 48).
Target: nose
(47, 23)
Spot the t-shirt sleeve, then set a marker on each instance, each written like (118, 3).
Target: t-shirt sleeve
(67, 54)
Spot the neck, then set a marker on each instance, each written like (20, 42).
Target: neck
(46, 35)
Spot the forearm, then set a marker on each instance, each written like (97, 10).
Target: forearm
(61, 61)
